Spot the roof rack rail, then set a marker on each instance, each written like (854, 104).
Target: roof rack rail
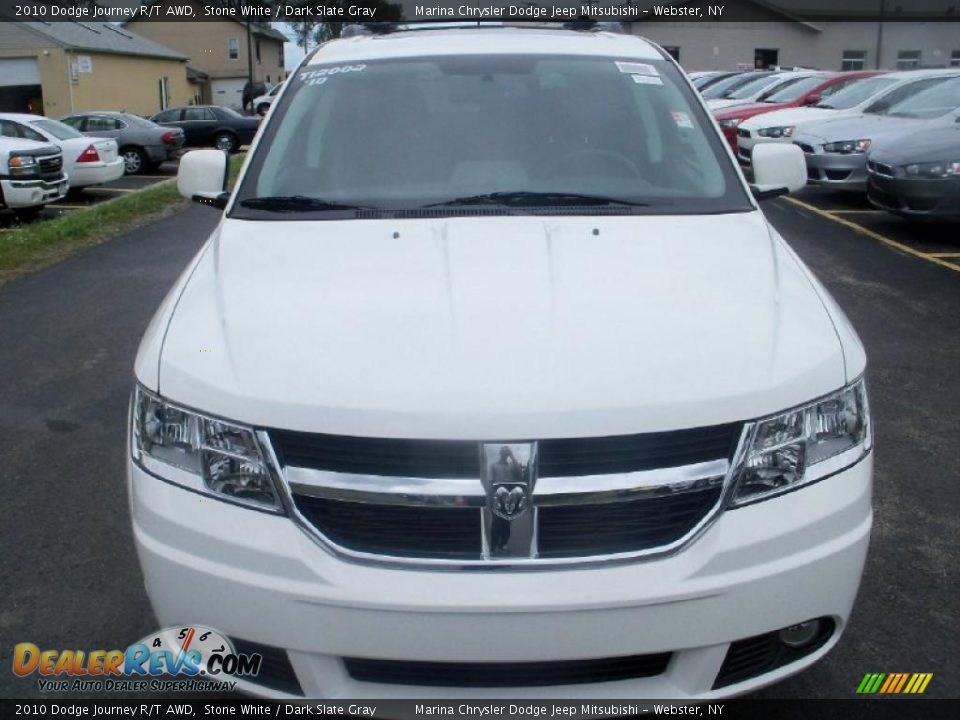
(385, 28)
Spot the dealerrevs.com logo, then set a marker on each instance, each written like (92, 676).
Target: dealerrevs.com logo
(189, 658)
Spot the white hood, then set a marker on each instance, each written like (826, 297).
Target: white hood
(497, 327)
(798, 116)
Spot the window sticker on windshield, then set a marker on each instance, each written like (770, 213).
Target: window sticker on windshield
(635, 68)
(681, 119)
(646, 80)
(319, 77)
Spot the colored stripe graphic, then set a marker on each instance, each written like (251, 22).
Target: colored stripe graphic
(894, 683)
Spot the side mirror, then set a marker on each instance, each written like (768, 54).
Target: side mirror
(778, 169)
(203, 175)
(812, 100)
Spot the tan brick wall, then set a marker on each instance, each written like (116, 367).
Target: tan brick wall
(120, 82)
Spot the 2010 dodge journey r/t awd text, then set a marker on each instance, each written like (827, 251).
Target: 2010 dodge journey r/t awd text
(494, 379)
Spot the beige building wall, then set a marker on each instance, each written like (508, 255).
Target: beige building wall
(207, 45)
(116, 82)
(120, 82)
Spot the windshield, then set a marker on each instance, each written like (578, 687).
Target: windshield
(139, 121)
(730, 84)
(900, 93)
(793, 89)
(855, 93)
(753, 88)
(530, 131)
(59, 130)
(930, 103)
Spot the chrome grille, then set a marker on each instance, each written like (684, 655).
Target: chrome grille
(51, 167)
(424, 501)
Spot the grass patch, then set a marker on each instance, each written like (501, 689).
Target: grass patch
(46, 242)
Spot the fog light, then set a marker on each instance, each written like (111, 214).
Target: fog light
(801, 635)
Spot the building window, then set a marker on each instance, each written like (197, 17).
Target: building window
(673, 51)
(955, 58)
(853, 60)
(764, 58)
(233, 48)
(908, 59)
(280, 55)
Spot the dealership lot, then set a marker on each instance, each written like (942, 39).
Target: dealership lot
(68, 336)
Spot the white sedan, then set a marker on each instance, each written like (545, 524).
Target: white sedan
(86, 160)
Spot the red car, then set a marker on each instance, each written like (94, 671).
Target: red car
(806, 91)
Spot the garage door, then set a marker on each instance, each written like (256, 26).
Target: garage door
(20, 71)
(20, 85)
(229, 92)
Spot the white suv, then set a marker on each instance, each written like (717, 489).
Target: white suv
(494, 379)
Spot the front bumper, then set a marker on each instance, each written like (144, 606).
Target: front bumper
(259, 577)
(834, 170)
(31, 193)
(915, 197)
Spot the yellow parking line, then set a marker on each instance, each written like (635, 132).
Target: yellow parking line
(58, 206)
(113, 189)
(855, 212)
(875, 235)
(944, 255)
(155, 177)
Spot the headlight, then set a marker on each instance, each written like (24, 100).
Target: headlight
(201, 453)
(806, 444)
(933, 169)
(780, 131)
(23, 166)
(848, 146)
(730, 122)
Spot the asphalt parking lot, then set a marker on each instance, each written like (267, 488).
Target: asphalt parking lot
(68, 336)
(79, 199)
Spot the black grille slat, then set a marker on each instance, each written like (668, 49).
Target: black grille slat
(647, 522)
(436, 532)
(754, 656)
(460, 459)
(493, 675)
(276, 672)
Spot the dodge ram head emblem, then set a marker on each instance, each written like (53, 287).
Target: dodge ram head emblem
(509, 472)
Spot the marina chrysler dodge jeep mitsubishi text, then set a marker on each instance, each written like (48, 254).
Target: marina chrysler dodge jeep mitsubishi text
(495, 380)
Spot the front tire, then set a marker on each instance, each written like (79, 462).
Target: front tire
(226, 141)
(263, 109)
(134, 160)
(29, 214)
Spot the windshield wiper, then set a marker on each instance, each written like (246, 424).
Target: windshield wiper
(527, 198)
(297, 203)
(826, 106)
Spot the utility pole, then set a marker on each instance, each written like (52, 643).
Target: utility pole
(880, 34)
(249, 62)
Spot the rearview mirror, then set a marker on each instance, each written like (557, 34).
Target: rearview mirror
(778, 169)
(203, 175)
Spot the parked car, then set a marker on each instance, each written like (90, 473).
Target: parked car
(853, 100)
(809, 90)
(524, 362)
(753, 91)
(31, 175)
(86, 161)
(251, 91)
(836, 150)
(206, 125)
(262, 104)
(917, 175)
(703, 82)
(144, 145)
(732, 83)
